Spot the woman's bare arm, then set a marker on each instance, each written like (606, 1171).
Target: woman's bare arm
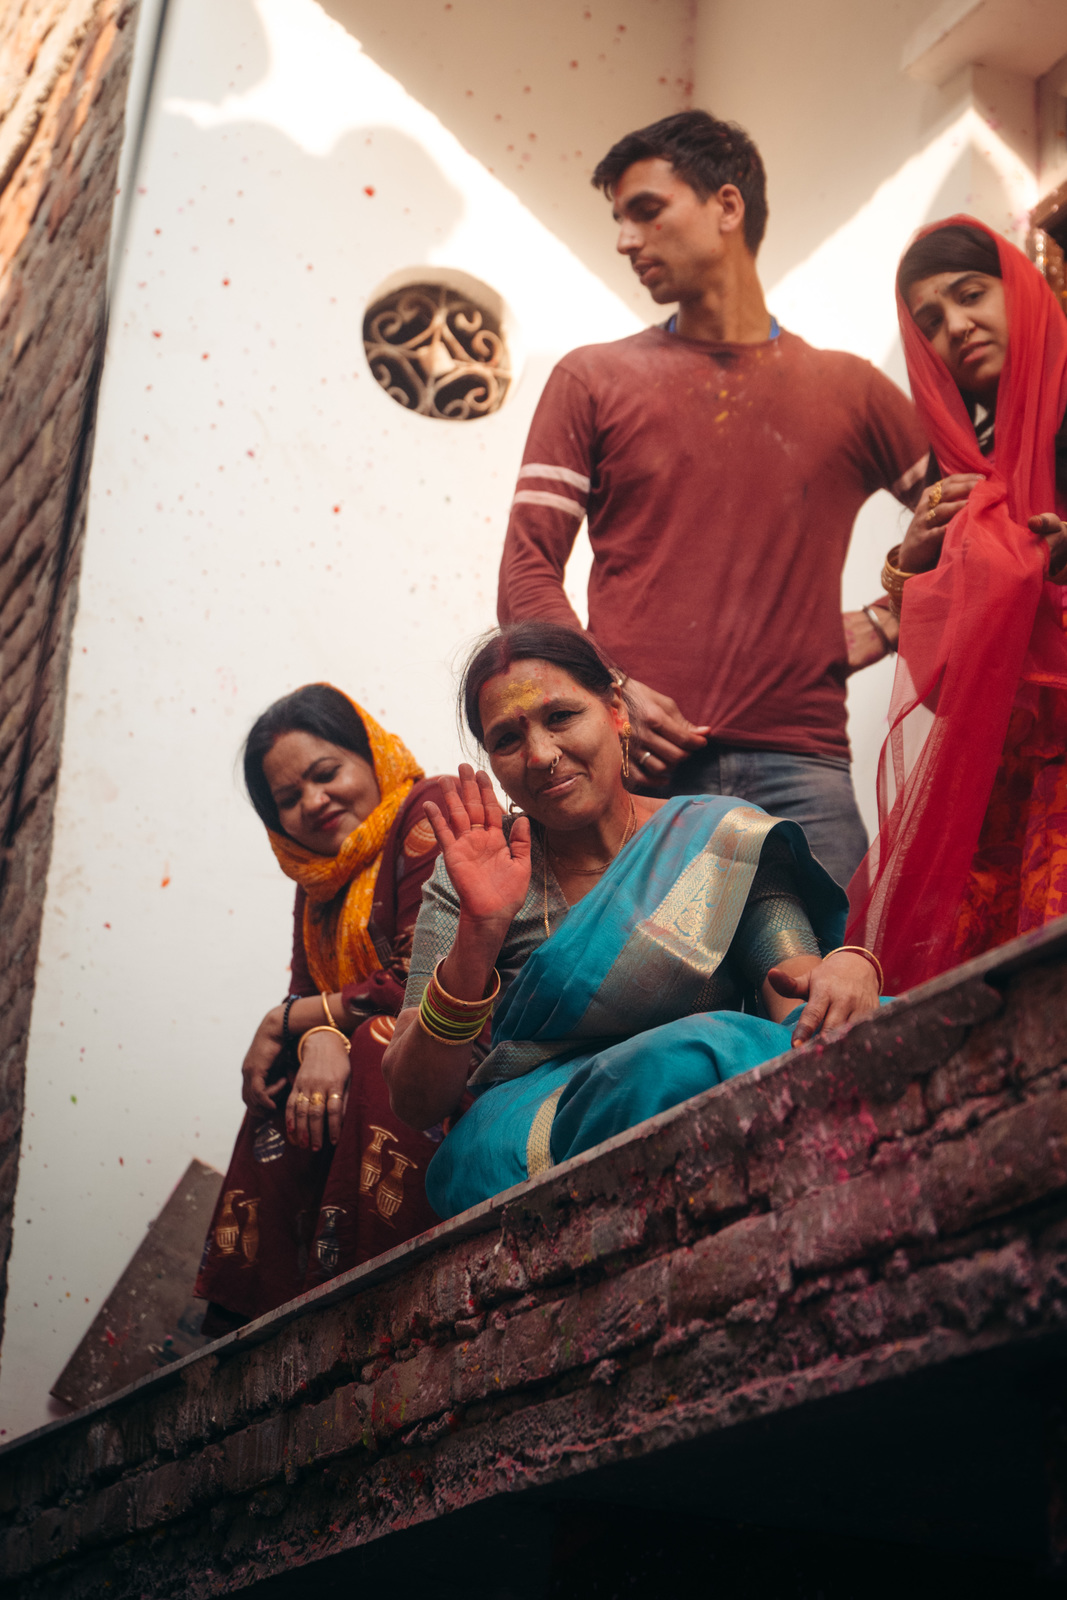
(491, 875)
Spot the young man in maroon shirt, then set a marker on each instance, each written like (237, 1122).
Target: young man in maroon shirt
(721, 462)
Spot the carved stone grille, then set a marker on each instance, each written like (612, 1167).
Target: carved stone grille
(434, 351)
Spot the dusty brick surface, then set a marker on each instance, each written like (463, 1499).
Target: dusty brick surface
(872, 1208)
(64, 68)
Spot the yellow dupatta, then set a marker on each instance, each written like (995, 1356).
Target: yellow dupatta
(339, 948)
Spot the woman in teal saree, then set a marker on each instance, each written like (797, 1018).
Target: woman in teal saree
(626, 933)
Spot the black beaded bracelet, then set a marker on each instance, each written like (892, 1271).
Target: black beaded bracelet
(287, 1039)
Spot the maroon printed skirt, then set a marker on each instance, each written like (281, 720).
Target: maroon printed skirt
(288, 1219)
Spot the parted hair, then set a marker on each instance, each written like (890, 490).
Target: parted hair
(318, 709)
(705, 152)
(534, 640)
(955, 248)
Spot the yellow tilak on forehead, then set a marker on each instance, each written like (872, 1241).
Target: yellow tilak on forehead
(521, 696)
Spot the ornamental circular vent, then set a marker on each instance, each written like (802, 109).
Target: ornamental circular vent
(440, 350)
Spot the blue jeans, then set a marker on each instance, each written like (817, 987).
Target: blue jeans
(815, 791)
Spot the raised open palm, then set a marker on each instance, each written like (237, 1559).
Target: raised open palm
(490, 873)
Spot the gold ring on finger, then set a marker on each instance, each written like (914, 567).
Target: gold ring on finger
(318, 1100)
(935, 494)
(335, 1096)
(301, 1101)
(929, 519)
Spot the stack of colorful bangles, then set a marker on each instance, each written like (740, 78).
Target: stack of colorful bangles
(453, 1021)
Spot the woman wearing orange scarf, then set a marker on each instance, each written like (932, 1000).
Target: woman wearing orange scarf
(323, 1175)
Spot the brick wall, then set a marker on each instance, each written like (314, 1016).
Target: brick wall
(64, 68)
(883, 1211)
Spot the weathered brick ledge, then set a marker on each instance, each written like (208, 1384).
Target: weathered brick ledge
(878, 1206)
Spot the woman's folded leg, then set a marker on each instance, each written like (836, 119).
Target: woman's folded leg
(516, 1129)
(635, 1079)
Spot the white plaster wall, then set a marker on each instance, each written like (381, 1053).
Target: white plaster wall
(261, 515)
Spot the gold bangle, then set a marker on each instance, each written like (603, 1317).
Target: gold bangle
(465, 1005)
(322, 1028)
(330, 1023)
(860, 950)
(894, 579)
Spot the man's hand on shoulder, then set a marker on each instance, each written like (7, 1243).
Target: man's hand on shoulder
(661, 735)
(865, 642)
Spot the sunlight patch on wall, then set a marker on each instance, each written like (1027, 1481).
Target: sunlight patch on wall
(321, 86)
(842, 295)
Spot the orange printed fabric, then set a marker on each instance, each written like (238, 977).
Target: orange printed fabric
(339, 948)
(1018, 877)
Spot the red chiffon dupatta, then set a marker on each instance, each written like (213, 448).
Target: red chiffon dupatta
(973, 631)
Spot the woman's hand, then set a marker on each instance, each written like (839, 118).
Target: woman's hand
(490, 873)
(841, 988)
(921, 548)
(319, 1093)
(262, 1054)
(1049, 527)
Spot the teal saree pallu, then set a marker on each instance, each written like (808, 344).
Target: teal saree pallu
(611, 1019)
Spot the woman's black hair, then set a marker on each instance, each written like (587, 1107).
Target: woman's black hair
(317, 709)
(566, 648)
(954, 248)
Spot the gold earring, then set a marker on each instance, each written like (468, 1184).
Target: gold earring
(626, 732)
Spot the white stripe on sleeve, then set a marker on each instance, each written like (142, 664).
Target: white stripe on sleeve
(537, 469)
(558, 502)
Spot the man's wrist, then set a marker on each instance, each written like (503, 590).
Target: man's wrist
(881, 624)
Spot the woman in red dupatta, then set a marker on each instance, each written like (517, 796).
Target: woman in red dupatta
(972, 790)
(323, 1175)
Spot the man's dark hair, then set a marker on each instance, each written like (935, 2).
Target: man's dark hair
(318, 709)
(955, 248)
(704, 152)
(533, 640)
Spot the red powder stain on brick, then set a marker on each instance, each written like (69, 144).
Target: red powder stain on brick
(225, 283)
(110, 1337)
(368, 188)
(336, 509)
(107, 924)
(156, 335)
(159, 230)
(310, 267)
(574, 63)
(121, 1162)
(164, 881)
(251, 453)
(205, 356)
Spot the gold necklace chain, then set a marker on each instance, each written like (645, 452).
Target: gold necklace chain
(585, 872)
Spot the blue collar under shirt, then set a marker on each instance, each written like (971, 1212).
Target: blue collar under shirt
(672, 326)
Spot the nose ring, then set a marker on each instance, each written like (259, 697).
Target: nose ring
(555, 763)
